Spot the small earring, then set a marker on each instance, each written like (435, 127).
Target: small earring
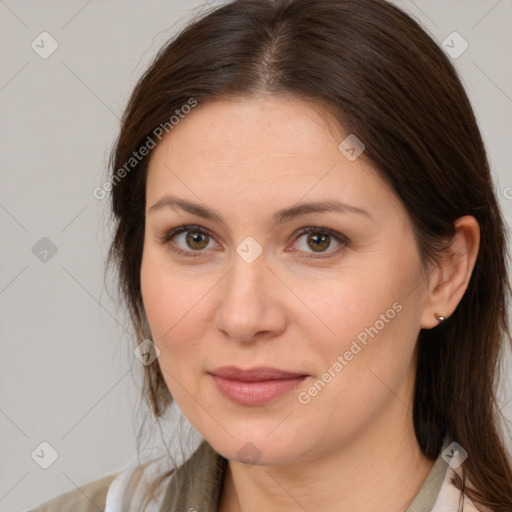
(440, 318)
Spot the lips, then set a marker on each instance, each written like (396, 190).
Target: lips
(260, 373)
(255, 386)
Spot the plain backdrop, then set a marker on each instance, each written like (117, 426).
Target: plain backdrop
(65, 355)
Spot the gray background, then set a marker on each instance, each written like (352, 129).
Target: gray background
(64, 356)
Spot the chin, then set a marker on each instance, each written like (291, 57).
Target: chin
(260, 449)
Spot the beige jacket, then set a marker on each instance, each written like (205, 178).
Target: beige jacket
(200, 483)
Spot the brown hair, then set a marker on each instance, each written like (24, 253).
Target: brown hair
(386, 80)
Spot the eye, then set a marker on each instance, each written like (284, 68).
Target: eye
(318, 240)
(193, 240)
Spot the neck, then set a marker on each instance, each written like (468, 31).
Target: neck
(381, 468)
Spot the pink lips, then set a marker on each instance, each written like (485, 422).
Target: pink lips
(255, 386)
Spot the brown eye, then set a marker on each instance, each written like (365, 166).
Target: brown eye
(188, 240)
(197, 240)
(319, 240)
(193, 240)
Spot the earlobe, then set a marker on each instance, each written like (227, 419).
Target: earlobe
(454, 271)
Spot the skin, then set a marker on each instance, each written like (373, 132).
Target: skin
(247, 158)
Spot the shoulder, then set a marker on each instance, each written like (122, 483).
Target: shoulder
(450, 499)
(450, 495)
(90, 497)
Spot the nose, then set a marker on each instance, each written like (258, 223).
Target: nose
(251, 303)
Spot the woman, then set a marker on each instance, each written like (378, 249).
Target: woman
(307, 237)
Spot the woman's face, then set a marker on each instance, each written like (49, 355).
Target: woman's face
(245, 286)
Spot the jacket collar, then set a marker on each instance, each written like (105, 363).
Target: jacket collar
(197, 485)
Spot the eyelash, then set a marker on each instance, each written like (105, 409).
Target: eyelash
(166, 239)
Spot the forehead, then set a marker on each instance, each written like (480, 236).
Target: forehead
(266, 127)
(266, 148)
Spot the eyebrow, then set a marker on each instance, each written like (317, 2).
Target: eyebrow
(279, 216)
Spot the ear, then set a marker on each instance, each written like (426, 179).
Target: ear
(450, 279)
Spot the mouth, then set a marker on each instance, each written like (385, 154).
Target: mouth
(255, 386)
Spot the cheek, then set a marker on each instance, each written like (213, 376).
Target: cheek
(170, 296)
(367, 322)
(174, 302)
(169, 313)
(344, 304)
